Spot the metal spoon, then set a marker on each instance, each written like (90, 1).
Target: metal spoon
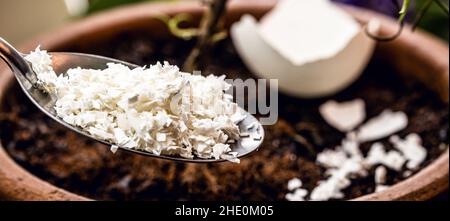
(250, 126)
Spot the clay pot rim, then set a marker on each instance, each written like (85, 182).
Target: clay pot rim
(19, 184)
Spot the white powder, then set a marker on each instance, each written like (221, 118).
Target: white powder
(157, 109)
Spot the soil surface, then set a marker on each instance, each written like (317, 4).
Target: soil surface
(82, 166)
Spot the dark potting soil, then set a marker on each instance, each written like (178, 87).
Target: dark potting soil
(82, 166)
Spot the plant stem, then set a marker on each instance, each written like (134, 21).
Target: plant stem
(403, 11)
(208, 28)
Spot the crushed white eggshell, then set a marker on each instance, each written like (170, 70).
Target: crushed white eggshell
(344, 116)
(384, 125)
(380, 175)
(331, 158)
(378, 155)
(351, 146)
(297, 195)
(344, 161)
(411, 147)
(338, 180)
(42, 64)
(294, 183)
(336, 158)
(114, 148)
(134, 108)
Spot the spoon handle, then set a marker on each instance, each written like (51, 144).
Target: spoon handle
(14, 59)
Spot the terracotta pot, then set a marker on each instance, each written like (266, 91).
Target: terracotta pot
(418, 55)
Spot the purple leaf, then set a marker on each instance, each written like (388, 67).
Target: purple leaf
(383, 6)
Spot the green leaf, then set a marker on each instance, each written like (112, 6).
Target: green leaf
(436, 20)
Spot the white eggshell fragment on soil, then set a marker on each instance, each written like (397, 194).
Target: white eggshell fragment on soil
(294, 183)
(411, 147)
(297, 195)
(344, 116)
(311, 56)
(380, 175)
(378, 156)
(382, 126)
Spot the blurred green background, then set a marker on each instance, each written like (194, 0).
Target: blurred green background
(99, 5)
(39, 18)
(435, 21)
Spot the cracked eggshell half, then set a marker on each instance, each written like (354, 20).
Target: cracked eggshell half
(316, 76)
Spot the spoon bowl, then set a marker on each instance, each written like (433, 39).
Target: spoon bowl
(63, 61)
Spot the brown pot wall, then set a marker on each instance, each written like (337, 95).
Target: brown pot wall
(417, 55)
